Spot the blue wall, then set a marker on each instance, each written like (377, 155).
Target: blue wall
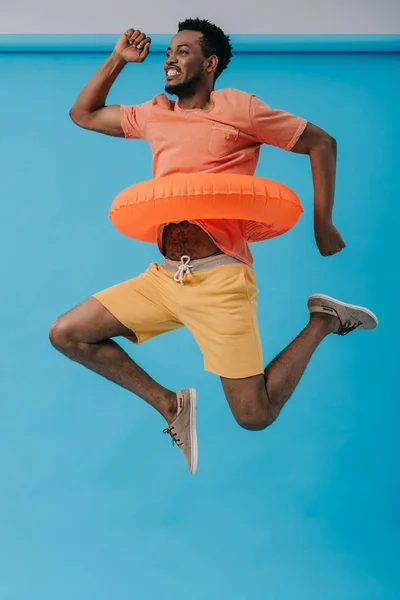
(95, 503)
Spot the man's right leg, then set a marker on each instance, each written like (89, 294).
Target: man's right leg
(83, 335)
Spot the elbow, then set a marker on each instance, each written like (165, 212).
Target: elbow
(78, 118)
(331, 142)
(325, 143)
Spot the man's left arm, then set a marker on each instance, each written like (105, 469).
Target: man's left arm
(322, 150)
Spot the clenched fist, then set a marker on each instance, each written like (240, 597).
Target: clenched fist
(133, 46)
(329, 240)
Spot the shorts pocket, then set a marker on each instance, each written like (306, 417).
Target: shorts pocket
(251, 284)
(223, 140)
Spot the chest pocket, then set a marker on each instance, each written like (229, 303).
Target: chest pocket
(223, 139)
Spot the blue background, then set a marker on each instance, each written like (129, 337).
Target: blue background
(94, 501)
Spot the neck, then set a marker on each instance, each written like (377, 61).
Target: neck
(200, 99)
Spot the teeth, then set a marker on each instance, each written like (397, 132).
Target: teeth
(172, 72)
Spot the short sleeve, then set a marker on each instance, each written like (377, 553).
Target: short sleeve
(133, 119)
(275, 127)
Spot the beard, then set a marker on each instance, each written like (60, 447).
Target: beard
(186, 87)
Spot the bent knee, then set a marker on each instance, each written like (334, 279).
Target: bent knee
(254, 416)
(250, 405)
(61, 334)
(256, 422)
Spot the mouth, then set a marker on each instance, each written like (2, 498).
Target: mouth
(172, 73)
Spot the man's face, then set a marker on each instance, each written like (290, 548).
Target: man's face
(184, 65)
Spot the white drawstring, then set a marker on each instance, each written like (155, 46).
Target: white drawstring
(183, 269)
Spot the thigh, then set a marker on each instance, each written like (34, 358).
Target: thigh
(143, 305)
(91, 322)
(221, 313)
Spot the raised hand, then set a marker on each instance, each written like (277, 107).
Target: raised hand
(133, 46)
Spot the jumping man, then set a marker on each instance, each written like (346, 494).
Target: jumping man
(203, 131)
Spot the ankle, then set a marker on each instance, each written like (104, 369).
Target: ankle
(171, 404)
(326, 323)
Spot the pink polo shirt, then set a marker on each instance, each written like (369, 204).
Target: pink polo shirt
(224, 139)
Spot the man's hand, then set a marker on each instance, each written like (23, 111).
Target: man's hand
(328, 238)
(133, 46)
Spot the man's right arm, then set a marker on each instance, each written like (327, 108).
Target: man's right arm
(90, 110)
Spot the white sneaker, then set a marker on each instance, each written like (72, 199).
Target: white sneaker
(350, 317)
(183, 428)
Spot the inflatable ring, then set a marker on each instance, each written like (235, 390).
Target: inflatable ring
(269, 208)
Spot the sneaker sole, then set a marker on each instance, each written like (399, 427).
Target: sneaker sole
(372, 321)
(194, 463)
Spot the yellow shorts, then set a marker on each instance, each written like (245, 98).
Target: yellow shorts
(216, 301)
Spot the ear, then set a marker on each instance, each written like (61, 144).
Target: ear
(212, 64)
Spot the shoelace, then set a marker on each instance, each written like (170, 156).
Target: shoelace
(175, 440)
(183, 269)
(348, 326)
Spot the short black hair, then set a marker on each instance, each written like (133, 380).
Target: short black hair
(214, 41)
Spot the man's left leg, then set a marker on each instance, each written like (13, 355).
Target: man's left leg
(257, 401)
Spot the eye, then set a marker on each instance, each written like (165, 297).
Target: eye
(183, 51)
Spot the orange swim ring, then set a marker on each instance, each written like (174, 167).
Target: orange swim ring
(269, 208)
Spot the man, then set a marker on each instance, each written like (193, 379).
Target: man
(203, 131)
